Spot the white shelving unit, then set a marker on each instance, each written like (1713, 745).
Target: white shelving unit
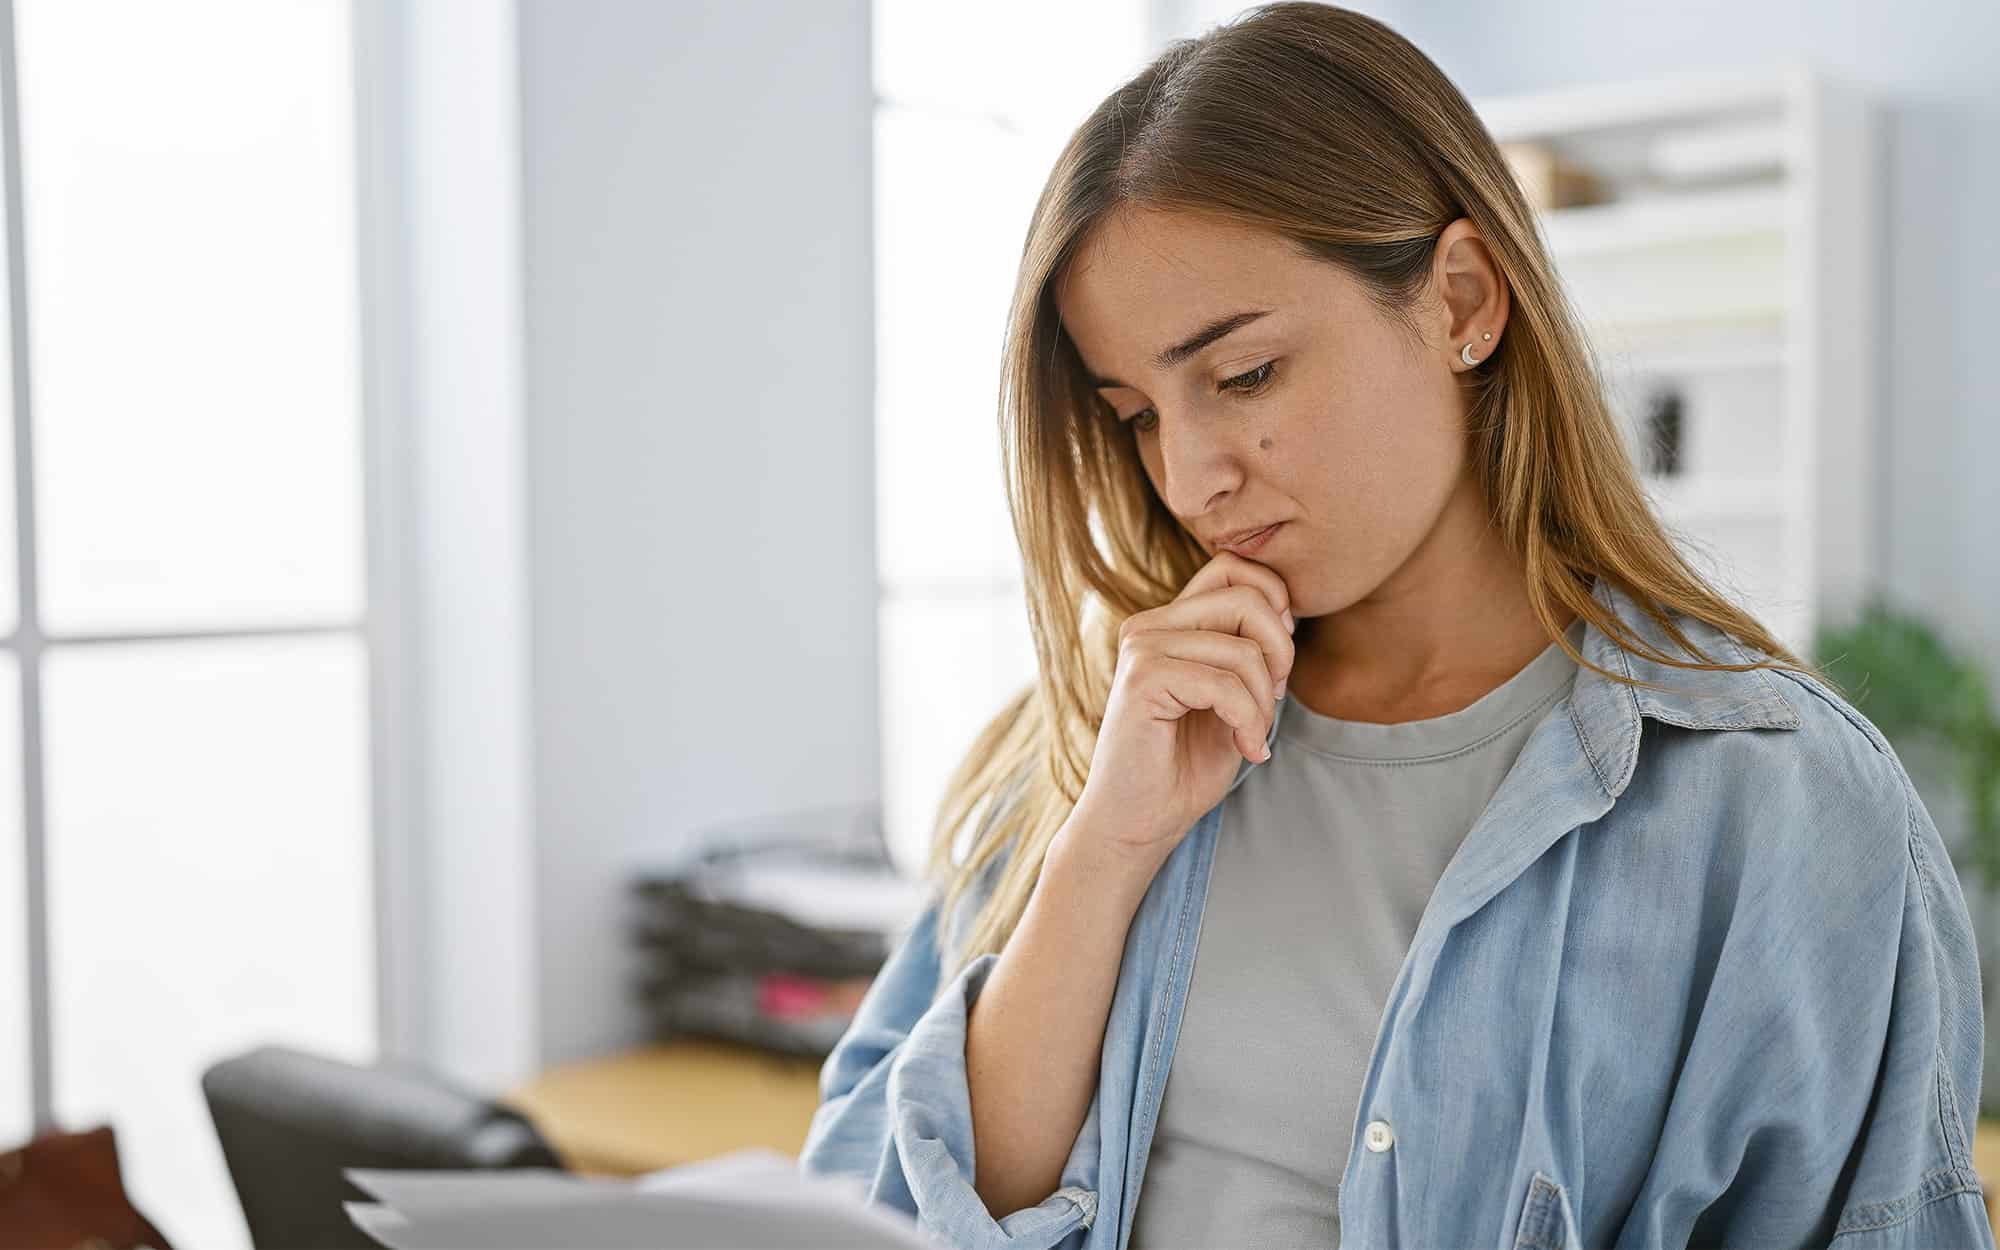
(1732, 265)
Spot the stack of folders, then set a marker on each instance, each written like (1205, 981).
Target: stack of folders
(768, 932)
(751, 1198)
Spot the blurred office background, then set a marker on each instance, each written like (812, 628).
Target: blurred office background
(464, 450)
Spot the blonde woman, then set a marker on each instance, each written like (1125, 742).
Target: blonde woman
(1401, 844)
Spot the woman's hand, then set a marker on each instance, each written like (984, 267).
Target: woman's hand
(1194, 694)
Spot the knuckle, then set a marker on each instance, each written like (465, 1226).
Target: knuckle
(1135, 644)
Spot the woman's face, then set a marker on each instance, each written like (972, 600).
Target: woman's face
(1315, 410)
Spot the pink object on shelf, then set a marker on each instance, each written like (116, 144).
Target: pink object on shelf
(785, 994)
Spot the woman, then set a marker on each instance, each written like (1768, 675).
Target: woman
(1448, 865)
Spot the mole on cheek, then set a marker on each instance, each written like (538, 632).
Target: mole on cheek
(1264, 444)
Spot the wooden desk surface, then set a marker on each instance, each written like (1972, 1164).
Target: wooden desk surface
(1986, 1162)
(677, 1102)
(671, 1103)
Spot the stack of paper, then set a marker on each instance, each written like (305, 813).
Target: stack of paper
(752, 1198)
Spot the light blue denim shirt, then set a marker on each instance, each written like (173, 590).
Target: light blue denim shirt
(1701, 973)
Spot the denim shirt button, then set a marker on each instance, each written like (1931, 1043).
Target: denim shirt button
(1378, 1137)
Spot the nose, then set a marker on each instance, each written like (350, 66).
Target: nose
(1197, 470)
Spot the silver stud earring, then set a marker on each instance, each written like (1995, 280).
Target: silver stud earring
(1465, 353)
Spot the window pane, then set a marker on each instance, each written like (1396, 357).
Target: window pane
(952, 203)
(10, 578)
(1038, 62)
(964, 143)
(209, 887)
(17, 1112)
(948, 665)
(188, 208)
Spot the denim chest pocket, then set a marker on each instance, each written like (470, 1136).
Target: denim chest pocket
(1546, 1221)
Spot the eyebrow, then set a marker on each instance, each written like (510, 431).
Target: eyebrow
(1193, 343)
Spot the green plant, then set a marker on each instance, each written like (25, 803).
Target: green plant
(1894, 667)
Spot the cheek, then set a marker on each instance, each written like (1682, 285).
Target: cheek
(1149, 455)
(1329, 450)
(1370, 469)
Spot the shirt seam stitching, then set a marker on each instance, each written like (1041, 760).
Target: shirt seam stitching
(1165, 1002)
(1935, 1186)
(1949, 1126)
(1583, 740)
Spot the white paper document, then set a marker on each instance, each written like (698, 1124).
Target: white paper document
(751, 1198)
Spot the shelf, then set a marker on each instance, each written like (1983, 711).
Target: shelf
(1567, 111)
(1727, 285)
(1680, 219)
(1773, 356)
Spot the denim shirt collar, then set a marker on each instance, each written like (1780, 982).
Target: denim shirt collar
(1606, 712)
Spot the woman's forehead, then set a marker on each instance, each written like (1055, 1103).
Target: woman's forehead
(1178, 248)
(1141, 281)
(1161, 270)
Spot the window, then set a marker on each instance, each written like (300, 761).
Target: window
(973, 103)
(187, 674)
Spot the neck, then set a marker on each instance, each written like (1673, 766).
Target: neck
(1447, 627)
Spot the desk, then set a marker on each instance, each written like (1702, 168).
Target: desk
(670, 1103)
(1986, 1162)
(675, 1102)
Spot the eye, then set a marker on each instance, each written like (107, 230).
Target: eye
(1252, 382)
(1144, 419)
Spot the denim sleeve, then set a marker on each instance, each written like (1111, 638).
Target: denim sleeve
(1913, 1182)
(895, 1110)
(1856, 1047)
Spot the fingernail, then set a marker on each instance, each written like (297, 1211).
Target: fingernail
(1291, 624)
(1280, 691)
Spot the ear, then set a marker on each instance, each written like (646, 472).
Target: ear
(1471, 295)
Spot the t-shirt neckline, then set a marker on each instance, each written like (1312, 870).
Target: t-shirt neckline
(1533, 687)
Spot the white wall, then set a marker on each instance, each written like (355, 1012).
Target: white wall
(699, 367)
(618, 282)
(439, 167)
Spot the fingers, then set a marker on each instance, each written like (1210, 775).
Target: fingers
(1232, 654)
(1230, 569)
(1175, 686)
(1223, 644)
(1235, 609)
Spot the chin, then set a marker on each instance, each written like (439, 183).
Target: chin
(1312, 600)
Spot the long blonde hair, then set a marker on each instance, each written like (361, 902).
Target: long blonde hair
(1324, 126)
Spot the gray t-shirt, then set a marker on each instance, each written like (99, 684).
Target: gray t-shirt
(1325, 858)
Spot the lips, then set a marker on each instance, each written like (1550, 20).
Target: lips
(1238, 536)
(1251, 541)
